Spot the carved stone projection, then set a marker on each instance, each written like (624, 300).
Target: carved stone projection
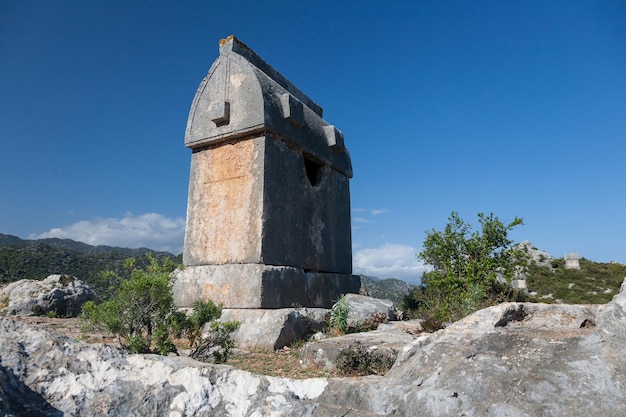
(268, 215)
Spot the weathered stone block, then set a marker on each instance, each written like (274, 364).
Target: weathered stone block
(273, 329)
(225, 204)
(572, 261)
(259, 286)
(241, 285)
(323, 289)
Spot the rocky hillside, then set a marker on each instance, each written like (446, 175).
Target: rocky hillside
(549, 280)
(388, 289)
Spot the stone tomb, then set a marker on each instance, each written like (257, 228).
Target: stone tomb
(268, 214)
(572, 261)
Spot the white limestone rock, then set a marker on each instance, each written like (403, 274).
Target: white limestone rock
(364, 308)
(516, 359)
(273, 329)
(535, 255)
(62, 295)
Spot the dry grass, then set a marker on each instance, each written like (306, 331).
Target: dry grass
(68, 327)
(281, 363)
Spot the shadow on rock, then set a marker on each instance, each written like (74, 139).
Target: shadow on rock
(17, 399)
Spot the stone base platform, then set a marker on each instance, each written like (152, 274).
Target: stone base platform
(260, 286)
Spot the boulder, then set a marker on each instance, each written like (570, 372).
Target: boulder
(365, 310)
(273, 329)
(514, 359)
(62, 295)
(43, 374)
(323, 353)
(536, 256)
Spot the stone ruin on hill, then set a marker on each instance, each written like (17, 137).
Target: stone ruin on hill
(268, 214)
(572, 261)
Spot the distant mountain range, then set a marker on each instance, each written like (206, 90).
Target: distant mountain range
(390, 288)
(36, 259)
(72, 245)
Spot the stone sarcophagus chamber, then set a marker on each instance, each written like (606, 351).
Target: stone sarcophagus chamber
(268, 214)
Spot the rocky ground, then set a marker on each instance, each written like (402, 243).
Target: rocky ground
(514, 359)
(284, 362)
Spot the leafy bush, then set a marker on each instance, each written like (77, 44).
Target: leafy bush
(217, 344)
(203, 312)
(359, 360)
(467, 269)
(143, 304)
(143, 315)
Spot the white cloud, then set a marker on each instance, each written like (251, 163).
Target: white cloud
(357, 210)
(376, 212)
(149, 230)
(389, 261)
(361, 220)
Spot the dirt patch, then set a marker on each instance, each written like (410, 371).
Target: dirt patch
(68, 327)
(281, 363)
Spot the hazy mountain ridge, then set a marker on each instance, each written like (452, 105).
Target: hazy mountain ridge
(390, 288)
(73, 245)
(37, 259)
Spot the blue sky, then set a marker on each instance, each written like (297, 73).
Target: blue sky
(515, 108)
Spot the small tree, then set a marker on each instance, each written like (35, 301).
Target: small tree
(467, 266)
(142, 307)
(143, 315)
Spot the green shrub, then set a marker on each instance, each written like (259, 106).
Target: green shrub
(217, 344)
(466, 268)
(203, 312)
(143, 315)
(137, 344)
(339, 316)
(162, 343)
(357, 359)
(142, 304)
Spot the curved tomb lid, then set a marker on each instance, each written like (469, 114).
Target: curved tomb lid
(242, 96)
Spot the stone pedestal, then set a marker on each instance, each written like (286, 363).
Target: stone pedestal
(260, 286)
